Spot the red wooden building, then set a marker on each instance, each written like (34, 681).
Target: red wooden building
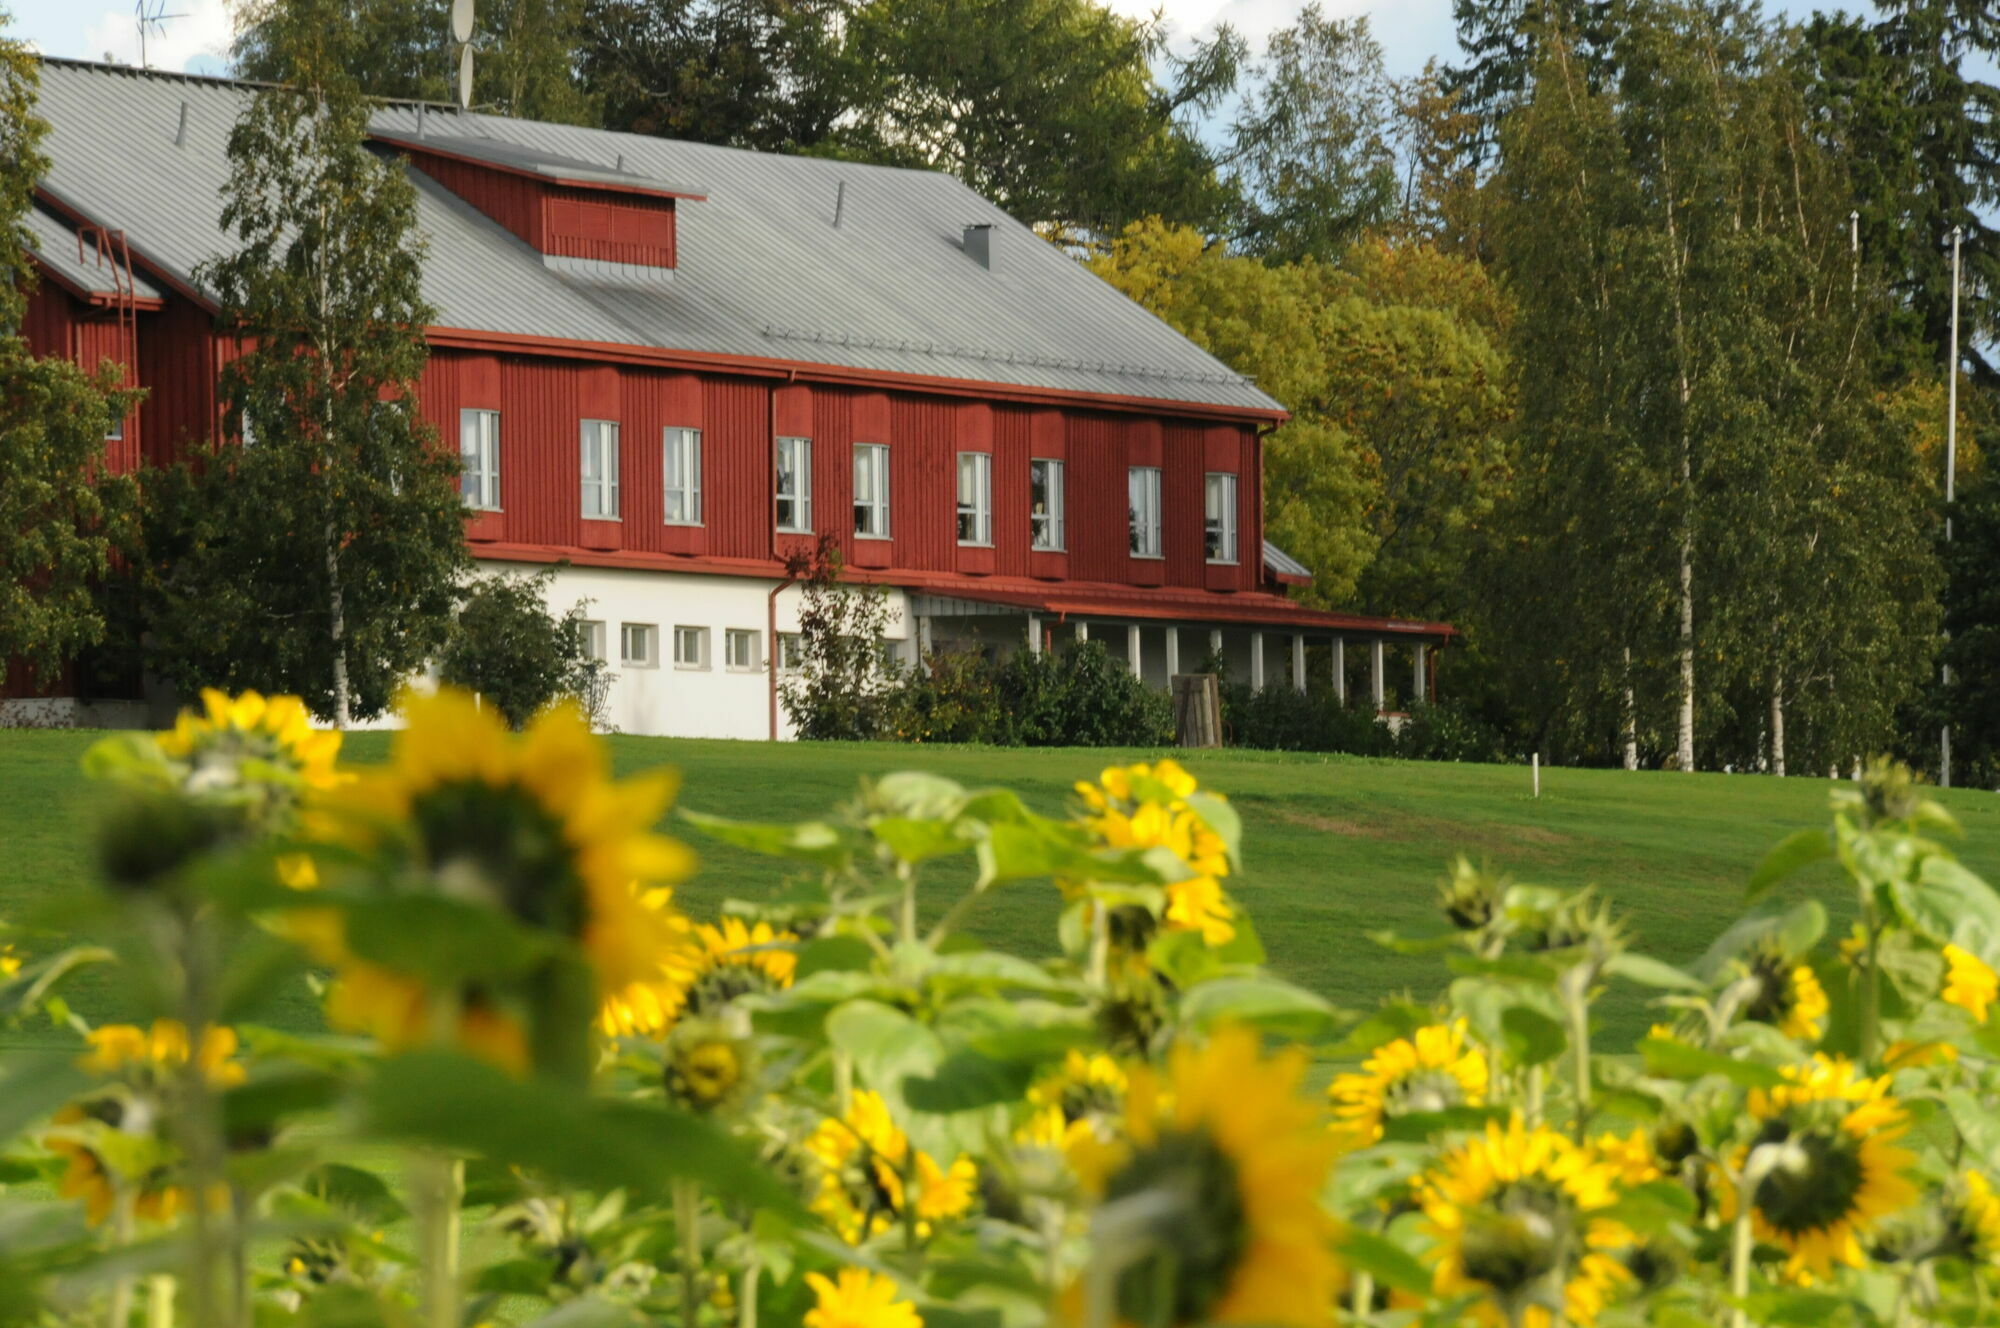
(669, 364)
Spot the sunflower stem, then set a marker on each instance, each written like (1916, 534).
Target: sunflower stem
(437, 1184)
(1871, 993)
(687, 1226)
(1534, 1103)
(1578, 1009)
(160, 1301)
(907, 929)
(746, 1316)
(125, 1203)
(1763, 1160)
(1100, 943)
(1364, 1295)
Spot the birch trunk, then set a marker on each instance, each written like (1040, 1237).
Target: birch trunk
(337, 630)
(1631, 720)
(1778, 723)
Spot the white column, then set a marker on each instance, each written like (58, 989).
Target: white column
(1256, 660)
(1378, 678)
(1215, 642)
(1299, 660)
(1082, 631)
(1173, 652)
(1132, 650)
(1340, 669)
(1418, 690)
(1034, 634)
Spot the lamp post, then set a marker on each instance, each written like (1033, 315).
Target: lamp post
(1950, 479)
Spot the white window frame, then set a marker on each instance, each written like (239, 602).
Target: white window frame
(753, 662)
(479, 458)
(1142, 497)
(791, 652)
(697, 637)
(647, 635)
(114, 432)
(1218, 523)
(975, 499)
(871, 491)
(598, 441)
(593, 638)
(680, 471)
(802, 501)
(1045, 529)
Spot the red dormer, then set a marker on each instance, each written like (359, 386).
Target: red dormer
(566, 209)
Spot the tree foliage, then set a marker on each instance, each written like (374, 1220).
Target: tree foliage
(61, 518)
(507, 648)
(1393, 368)
(319, 557)
(403, 49)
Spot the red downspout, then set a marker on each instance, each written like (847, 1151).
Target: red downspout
(771, 524)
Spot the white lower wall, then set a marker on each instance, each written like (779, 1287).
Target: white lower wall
(666, 699)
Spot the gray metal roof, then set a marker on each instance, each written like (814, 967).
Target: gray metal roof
(762, 269)
(56, 247)
(1279, 563)
(548, 165)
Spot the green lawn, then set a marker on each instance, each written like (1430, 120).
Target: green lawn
(1336, 847)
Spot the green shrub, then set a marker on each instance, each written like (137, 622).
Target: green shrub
(508, 649)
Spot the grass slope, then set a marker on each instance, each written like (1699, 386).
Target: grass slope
(1336, 847)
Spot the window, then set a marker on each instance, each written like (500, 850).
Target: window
(115, 431)
(871, 490)
(1143, 491)
(682, 464)
(638, 645)
(1219, 525)
(479, 459)
(975, 498)
(888, 656)
(795, 504)
(600, 470)
(593, 638)
(741, 649)
(791, 652)
(690, 647)
(1045, 503)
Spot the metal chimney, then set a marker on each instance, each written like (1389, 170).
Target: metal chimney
(979, 243)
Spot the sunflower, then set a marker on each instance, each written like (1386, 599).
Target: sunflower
(1077, 1100)
(860, 1299)
(1146, 806)
(1969, 984)
(711, 1064)
(1840, 1172)
(114, 1140)
(869, 1174)
(251, 737)
(1232, 1160)
(534, 827)
(1972, 1216)
(718, 963)
(1431, 1070)
(1520, 1215)
(1788, 996)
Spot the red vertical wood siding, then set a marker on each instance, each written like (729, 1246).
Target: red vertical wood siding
(1012, 430)
(923, 489)
(1182, 498)
(612, 228)
(179, 358)
(1099, 516)
(738, 448)
(512, 200)
(56, 325)
(833, 466)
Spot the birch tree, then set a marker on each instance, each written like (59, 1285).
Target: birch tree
(320, 555)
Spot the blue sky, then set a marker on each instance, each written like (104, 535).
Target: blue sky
(1411, 31)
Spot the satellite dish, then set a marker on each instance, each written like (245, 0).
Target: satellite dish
(465, 78)
(461, 21)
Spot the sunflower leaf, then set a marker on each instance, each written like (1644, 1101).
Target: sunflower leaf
(1384, 1260)
(1792, 855)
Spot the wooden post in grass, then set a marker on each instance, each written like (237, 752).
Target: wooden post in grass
(1535, 772)
(1197, 710)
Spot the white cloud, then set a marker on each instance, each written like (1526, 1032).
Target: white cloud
(203, 29)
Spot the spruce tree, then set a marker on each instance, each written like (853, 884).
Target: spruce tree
(319, 556)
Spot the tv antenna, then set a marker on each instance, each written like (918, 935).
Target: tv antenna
(461, 31)
(150, 16)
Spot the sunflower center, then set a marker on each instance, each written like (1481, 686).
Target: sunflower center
(723, 984)
(1186, 1272)
(1774, 1001)
(1423, 1091)
(1819, 1194)
(708, 1073)
(1517, 1238)
(499, 846)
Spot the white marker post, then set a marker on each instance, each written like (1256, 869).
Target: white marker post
(1535, 772)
